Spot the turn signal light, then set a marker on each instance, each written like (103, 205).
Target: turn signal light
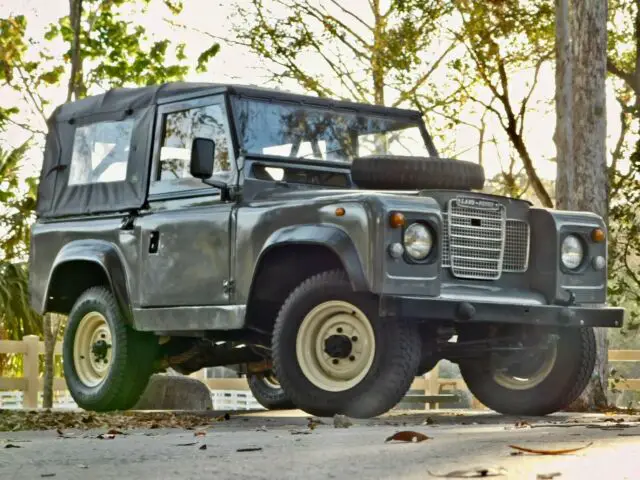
(340, 212)
(396, 220)
(597, 235)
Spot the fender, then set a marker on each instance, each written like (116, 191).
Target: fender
(330, 236)
(103, 254)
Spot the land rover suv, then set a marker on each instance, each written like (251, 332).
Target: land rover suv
(323, 248)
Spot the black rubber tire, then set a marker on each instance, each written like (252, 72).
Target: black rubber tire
(387, 172)
(570, 375)
(427, 363)
(133, 356)
(268, 396)
(394, 367)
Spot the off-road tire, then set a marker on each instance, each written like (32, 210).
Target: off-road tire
(395, 363)
(388, 172)
(570, 375)
(132, 358)
(268, 396)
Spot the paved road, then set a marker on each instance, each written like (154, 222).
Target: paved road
(279, 451)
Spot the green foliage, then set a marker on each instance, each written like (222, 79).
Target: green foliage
(115, 51)
(382, 56)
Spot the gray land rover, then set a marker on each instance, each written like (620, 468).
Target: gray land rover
(321, 247)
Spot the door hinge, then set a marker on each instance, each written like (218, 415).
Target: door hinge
(228, 286)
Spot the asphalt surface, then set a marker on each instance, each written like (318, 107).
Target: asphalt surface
(281, 446)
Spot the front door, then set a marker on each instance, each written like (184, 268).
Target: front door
(185, 233)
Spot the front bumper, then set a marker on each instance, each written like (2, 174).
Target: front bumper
(421, 308)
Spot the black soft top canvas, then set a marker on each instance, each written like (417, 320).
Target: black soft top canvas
(56, 197)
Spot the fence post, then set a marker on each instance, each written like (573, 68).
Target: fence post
(31, 371)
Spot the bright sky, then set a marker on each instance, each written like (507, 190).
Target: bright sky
(237, 66)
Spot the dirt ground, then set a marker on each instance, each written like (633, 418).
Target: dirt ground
(279, 445)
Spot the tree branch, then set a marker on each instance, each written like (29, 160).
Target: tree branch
(404, 96)
(351, 14)
(613, 69)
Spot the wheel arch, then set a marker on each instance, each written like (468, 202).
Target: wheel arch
(81, 265)
(286, 256)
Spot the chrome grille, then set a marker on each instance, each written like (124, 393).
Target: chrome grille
(481, 251)
(476, 239)
(516, 247)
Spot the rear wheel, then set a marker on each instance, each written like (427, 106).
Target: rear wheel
(267, 391)
(107, 364)
(333, 354)
(537, 381)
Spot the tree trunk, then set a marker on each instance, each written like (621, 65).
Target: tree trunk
(49, 346)
(564, 101)
(377, 56)
(77, 88)
(582, 181)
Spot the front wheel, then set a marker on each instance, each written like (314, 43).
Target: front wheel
(536, 381)
(334, 354)
(107, 365)
(267, 391)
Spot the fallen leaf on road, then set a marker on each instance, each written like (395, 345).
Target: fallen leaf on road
(203, 447)
(523, 424)
(478, 472)
(199, 433)
(249, 449)
(106, 436)
(313, 423)
(11, 445)
(615, 420)
(547, 476)
(550, 452)
(113, 431)
(407, 436)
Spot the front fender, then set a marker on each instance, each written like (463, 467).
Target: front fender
(330, 236)
(106, 256)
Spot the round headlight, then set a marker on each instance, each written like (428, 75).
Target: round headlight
(572, 252)
(418, 241)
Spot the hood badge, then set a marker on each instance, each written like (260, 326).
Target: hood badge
(478, 203)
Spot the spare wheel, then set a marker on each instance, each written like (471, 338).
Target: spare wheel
(389, 172)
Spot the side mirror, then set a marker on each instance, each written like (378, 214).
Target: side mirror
(202, 157)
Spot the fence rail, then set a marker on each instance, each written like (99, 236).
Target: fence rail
(32, 384)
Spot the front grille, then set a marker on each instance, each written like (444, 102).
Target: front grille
(480, 243)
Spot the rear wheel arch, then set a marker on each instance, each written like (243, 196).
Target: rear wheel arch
(80, 267)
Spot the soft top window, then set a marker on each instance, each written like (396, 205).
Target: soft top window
(101, 152)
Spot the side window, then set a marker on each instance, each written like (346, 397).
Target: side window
(180, 128)
(101, 152)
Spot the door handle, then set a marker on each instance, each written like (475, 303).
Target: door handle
(154, 241)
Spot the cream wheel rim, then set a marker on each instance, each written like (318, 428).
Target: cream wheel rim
(335, 346)
(92, 349)
(536, 378)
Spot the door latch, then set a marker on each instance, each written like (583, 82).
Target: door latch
(154, 241)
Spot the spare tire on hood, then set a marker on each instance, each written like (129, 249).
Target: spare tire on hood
(389, 172)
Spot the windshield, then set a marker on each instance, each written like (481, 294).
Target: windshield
(317, 133)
